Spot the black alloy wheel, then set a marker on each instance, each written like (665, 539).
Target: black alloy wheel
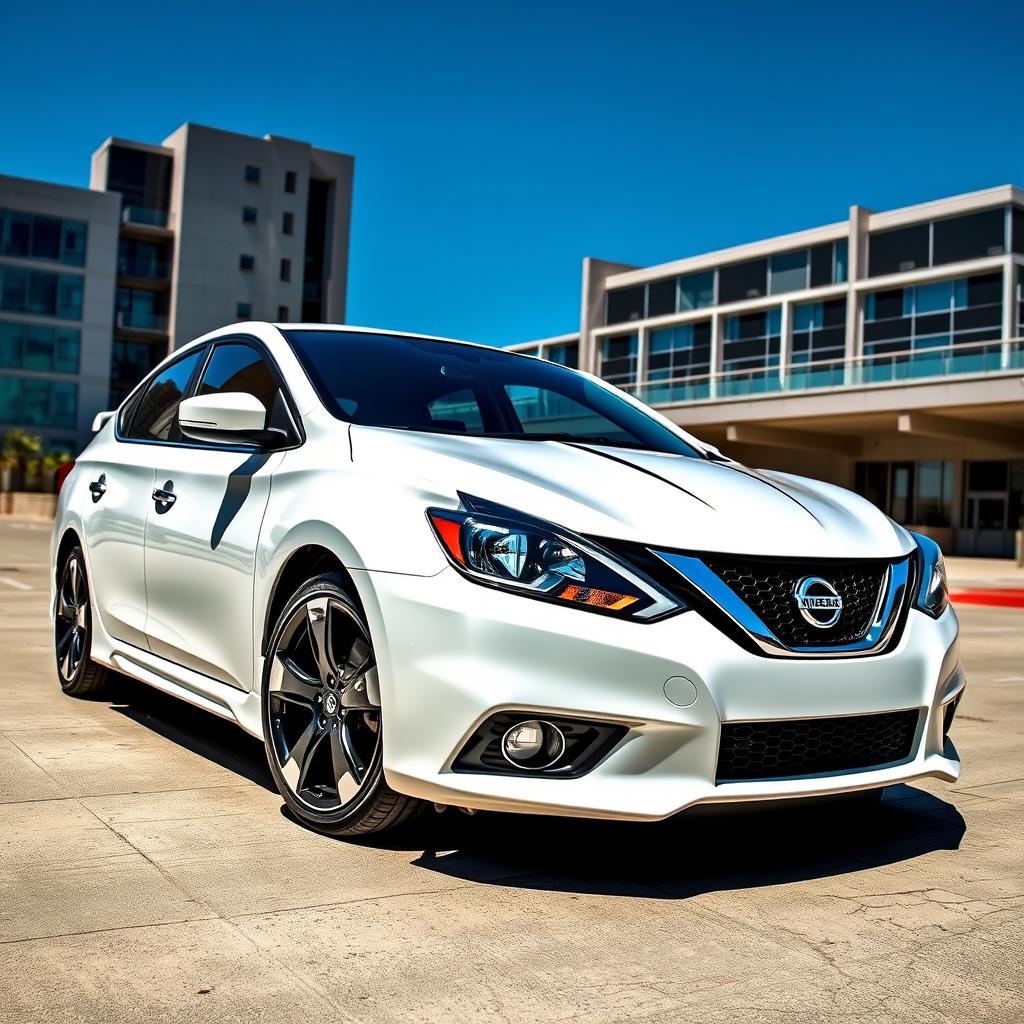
(322, 715)
(79, 675)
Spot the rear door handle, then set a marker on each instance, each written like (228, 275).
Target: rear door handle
(164, 499)
(98, 488)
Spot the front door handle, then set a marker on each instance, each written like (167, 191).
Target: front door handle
(164, 497)
(98, 488)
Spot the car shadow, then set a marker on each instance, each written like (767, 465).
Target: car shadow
(704, 850)
(199, 731)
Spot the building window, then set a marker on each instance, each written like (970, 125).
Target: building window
(36, 402)
(1017, 230)
(33, 236)
(246, 261)
(740, 281)
(141, 308)
(136, 258)
(249, 214)
(681, 351)
(661, 297)
(696, 291)
(244, 310)
(288, 223)
(36, 347)
(819, 331)
(282, 314)
(936, 243)
(252, 174)
(565, 354)
(618, 359)
(286, 269)
(973, 236)
(41, 293)
(913, 331)
(130, 361)
(913, 493)
(894, 252)
(625, 304)
(289, 181)
(787, 272)
(750, 352)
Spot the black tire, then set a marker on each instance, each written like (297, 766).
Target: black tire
(322, 716)
(78, 674)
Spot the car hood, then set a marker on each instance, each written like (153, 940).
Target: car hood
(659, 500)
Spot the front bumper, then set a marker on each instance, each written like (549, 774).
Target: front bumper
(451, 653)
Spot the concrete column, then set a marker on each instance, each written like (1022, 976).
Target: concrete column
(1010, 275)
(785, 342)
(717, 339)
(595, 272)
(641, 356)
(857, 270)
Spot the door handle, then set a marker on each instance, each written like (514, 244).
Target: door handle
(97, 488)
(164, 498)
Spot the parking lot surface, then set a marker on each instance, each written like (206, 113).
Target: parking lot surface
(148, 873)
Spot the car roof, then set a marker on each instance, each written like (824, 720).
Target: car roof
(351, 329)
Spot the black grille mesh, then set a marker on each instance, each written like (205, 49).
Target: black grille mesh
(812, 746)
(766, 587)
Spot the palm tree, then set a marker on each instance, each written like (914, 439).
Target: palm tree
(19, 447)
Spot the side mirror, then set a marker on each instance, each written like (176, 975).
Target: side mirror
(228, 418)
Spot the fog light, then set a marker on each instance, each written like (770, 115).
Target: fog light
(533, 744)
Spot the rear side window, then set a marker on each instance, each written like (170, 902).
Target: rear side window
(239, 368)
(155, 416)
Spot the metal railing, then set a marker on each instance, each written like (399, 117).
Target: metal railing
(139, 266)
(142, 320)
(976, 357)
(144, 215)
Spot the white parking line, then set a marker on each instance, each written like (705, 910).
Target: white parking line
(1009, 679)
(15, 584)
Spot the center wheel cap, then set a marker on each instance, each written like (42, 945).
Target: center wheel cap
(331, 704)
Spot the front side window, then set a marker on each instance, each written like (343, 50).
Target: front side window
(236, 367)
(382, 380)
(155, 415)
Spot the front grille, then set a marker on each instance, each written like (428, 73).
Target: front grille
(766, 586)
(814, 746)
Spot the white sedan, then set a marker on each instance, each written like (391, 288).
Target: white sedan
(429, 572)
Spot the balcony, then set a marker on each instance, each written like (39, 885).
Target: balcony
(144, 215)
(143, 269)
(909, 366)
(142, 321)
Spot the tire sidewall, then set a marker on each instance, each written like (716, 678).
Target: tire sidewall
(328, 585)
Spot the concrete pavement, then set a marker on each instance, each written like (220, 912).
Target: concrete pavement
(148, 873)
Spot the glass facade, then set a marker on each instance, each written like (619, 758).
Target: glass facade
(37, 402)
(936, 243)
(681, 355)
(750, 352)
(137, 258)
(38, 347)
(130, 361)
(902, 324)
(141, 308)
(41, 293)
(618, 359)
(819, 337)
(816, 267)
(144, 181)
(33, 236)
(565, 354)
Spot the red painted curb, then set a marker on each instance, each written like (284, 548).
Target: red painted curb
(1002, 597)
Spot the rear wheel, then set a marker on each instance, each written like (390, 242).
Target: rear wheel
(322, 715)
(79, 675)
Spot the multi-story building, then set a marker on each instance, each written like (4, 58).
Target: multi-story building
(217, 227)
(882, 353)
(169, 242)
(57, 250)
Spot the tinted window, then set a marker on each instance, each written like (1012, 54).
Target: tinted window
(971, 237)
(155, 416)
(661, 297)
(626, 304)
(236, 367)
(743, 281)
(382, 380)
(890, 252)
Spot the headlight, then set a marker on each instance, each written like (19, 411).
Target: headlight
(502, 548)
(932, 591)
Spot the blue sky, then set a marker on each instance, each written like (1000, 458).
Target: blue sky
(497, 144)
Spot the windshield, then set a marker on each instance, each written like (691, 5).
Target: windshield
(384, 380)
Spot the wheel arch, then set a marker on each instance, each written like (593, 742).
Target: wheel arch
(69, 540)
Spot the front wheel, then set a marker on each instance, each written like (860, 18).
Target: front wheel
(322, 715)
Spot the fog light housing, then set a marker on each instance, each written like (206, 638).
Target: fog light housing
(533, 744)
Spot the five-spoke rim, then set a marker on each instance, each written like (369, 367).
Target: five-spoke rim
(72, 619)
(324, 704)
